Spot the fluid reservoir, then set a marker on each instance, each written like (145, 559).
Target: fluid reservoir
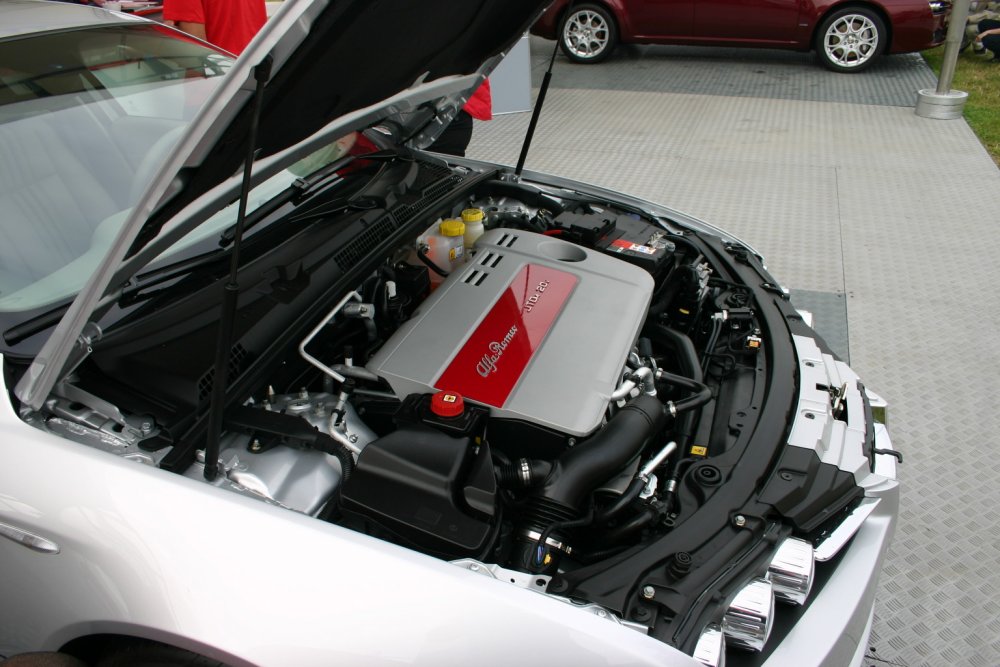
(473, 219)
(445, 247)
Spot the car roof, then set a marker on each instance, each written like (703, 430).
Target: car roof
(24, 17)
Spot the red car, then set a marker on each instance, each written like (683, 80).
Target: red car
(847, 35)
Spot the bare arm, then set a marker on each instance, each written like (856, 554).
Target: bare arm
(193, 29)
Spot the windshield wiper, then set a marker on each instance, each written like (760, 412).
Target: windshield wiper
(130, 292)
(323, 177)
(228, 235)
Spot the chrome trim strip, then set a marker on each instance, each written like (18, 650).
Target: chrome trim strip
(28, 539)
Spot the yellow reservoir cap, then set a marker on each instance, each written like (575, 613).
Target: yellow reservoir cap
(452, 228)
(472, 215)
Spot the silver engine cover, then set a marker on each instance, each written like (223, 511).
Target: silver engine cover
(532, 327)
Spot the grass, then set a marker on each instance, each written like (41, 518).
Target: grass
(980, 78)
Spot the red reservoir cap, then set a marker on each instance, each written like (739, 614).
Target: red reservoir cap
(447, 404)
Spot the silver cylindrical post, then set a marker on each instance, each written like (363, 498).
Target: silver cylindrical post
(944, 103)
(952, 44)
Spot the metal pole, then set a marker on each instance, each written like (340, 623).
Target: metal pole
(945, 103)
(952, 43)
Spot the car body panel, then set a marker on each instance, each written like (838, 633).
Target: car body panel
(150, 554)
(22, 18)
(757, 21)
(788, 24)
(656, 17)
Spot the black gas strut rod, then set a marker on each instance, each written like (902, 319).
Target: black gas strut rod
(537, 111)
(231, 290)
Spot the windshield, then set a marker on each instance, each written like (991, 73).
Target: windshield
(86, 118)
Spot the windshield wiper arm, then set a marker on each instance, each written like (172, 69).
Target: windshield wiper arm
(298, 188)
(228, 235)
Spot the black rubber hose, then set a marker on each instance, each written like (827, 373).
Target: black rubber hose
(580, 470)
(689, 365)
(512, 474)
(700, 396)
(328, 445)
(638, 522)
(623, 501)
(422, 256)
(246, 419)
(686, 355)
(540, 544)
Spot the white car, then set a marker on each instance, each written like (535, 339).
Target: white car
(284, 388)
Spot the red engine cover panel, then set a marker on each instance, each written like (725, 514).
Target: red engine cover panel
(495, 356)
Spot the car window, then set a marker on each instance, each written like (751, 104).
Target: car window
(86, 117)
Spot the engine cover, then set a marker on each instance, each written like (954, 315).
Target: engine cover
(532, 327)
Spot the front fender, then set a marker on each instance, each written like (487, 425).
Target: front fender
(153, 554)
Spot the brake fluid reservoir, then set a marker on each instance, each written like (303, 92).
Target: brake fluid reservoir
(473, 219)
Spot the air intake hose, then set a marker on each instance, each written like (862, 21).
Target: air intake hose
(690, 366)
(553, 506)
(584, 467)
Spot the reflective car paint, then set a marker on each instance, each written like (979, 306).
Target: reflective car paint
(149, 554)
(762, 23)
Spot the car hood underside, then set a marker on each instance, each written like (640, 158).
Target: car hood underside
(314, 65)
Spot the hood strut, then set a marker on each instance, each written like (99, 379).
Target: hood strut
(537, 110)
(231, 290)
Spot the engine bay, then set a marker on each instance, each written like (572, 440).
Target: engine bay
(571, 389)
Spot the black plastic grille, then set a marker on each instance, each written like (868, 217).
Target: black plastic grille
(237, 360)
(365, 242)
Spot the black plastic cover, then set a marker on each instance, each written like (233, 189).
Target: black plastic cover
(423, 485)
(517, 438)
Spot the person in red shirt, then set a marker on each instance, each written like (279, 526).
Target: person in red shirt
(229, 24)
(456, 137)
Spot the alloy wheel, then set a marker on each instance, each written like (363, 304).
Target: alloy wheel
(586, 34)
(851, 40)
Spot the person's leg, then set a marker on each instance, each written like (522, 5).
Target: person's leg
(991, 42)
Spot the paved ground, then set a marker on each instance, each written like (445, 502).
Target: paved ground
(887, 224)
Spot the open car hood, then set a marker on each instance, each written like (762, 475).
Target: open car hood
(326, 63)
